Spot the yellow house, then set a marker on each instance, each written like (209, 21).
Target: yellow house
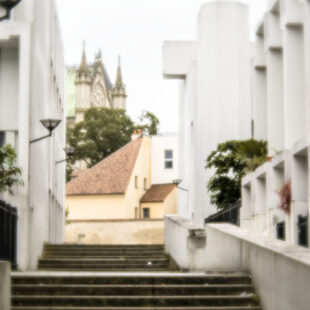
(159, 200)
(114, 202)
(119, 187)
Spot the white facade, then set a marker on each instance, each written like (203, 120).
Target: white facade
(214, 95)
(164, 167)
(281, 106)
(31, 89)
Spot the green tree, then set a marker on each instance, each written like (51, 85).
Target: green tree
(9, 172)
(102, 132)
(230, 162)
(150, 123)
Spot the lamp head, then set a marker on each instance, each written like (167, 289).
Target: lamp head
(69, 151)
(50, 124)
(9, 4)
(177, 181)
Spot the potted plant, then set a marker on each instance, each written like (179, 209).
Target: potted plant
(285, 194)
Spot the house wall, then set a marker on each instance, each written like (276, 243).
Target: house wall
(90, 207)
(160, 174)
(159, 209)
(142, 170)
(213, 109)
(32, 60)
(115, 231)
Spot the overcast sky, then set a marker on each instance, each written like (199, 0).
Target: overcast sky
(136, 29)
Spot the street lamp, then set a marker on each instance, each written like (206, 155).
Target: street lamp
(8, 5)
(50, 125)
(69, 152)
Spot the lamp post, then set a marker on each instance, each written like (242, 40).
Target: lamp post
(177, 182)
(50, 124)
(69, 153)
(7, 5)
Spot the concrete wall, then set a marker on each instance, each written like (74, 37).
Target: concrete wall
(116, 232)
(32, 61)
(280, 271)
(160, 174)
(5, 286)
(214, 95)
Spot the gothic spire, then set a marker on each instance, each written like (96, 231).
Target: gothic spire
(83, 74)
(119, 86)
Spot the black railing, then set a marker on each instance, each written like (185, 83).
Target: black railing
(8, 233)
(302, 226)
(230, 214)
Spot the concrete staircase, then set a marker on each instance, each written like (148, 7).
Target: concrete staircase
(104, 257)
(127, 290)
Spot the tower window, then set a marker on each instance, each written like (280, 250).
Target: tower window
(168, 159)
(145, 184)
(136, 181)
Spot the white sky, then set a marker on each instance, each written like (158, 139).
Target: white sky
(136, 29)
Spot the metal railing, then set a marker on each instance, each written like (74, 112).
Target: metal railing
(8, 233)
(231, 214)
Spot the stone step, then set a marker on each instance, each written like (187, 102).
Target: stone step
(137, 308)
(103, 246)
(102, 261)
(138, 290)
(104, 253)
(108, 251)
(123, 279)
(133, 301)
(103, 256)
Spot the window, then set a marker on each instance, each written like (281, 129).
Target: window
(136, 181)
(2, 138)
(145, 183)
(146, 213)
(168, 159)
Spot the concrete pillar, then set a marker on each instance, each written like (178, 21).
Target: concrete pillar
(275, 114)
(294, 85)
(260, 204)
(5, 285)
(245, 211)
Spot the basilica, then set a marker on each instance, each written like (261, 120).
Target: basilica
(89, 85)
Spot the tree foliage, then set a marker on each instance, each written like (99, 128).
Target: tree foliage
(230, 162)
(150, 123)
(9, 172)
(102, 132)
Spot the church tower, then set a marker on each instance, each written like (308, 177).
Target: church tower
(82, 82)
(119, 92)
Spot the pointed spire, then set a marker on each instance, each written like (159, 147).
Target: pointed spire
(83, 73)
(119, 79)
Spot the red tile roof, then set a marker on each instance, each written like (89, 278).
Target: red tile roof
(110, 176)
(157, 193)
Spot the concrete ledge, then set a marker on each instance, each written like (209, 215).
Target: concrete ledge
(281, 271)
(5, 285)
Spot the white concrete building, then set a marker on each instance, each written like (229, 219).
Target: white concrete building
(31, 89)
(165, 158)
(281, 115)
(214, 73)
